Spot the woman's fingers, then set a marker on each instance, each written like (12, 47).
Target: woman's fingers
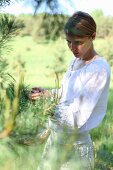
(37, 92)
(37, 89)
(35, 95)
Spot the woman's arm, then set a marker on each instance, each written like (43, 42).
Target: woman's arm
(78, 112)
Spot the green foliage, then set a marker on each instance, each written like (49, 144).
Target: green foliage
(30, 117)
(59, 64)
(8, 28)
(26, 130)
(104, 48)
(104, 24)
(4, 74)
(97, 14)
(43, 26)
(50, 26)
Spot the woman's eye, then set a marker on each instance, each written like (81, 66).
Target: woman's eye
(78, 43)
(69, 42)
(75, 42)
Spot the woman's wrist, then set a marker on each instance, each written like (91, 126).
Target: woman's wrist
(47, 93)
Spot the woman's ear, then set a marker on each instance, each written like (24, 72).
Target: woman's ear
(93, 35)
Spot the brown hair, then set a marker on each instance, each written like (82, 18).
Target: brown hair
(80, 24)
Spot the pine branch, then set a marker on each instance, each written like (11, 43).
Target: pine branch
(8, 29)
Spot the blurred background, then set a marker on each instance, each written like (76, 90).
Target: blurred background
(32, 39)
(37, 43)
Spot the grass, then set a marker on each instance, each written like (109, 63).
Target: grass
(37, 56)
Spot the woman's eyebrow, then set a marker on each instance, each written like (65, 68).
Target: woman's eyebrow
(76, 41)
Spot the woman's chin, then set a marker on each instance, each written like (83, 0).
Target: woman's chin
(77, 55)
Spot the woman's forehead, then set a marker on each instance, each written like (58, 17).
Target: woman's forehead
(75, 38)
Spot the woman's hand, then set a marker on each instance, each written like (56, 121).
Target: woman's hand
(37, 92)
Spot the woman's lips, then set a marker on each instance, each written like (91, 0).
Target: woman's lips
(76, 53)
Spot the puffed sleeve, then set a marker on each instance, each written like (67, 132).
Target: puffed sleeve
(79, 111)
(86, 101)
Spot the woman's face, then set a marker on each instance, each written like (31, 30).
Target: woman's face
(80, 47)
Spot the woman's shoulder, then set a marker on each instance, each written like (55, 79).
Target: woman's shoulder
(97, 68)
(98, 65)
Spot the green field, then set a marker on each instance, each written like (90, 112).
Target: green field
(37, 58)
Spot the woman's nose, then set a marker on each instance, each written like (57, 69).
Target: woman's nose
(72, 46)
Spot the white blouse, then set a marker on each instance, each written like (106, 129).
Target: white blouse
(83, 94)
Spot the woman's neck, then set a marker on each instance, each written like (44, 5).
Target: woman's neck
(91, 55)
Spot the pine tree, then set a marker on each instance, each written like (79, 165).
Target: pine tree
(8, 29)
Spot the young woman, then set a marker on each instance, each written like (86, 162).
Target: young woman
(83, 99)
